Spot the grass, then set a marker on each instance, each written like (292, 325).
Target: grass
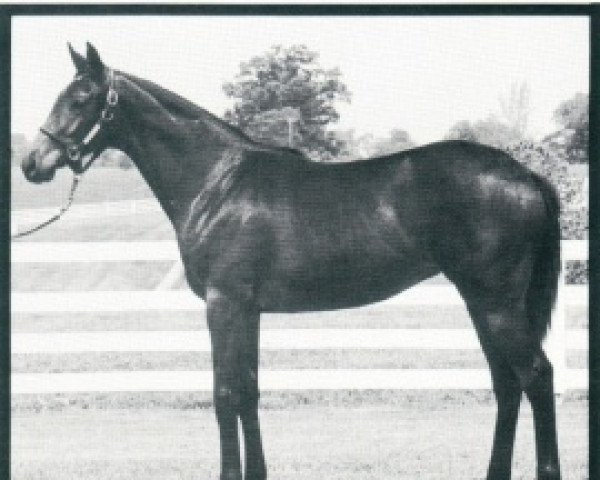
(422, 436)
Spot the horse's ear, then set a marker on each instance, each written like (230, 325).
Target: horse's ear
(95, 65)
(78, 60)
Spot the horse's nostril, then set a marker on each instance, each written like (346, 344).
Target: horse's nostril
(28, 165)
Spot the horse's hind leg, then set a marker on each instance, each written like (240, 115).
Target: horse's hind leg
(508, 392)
(540, 393)
(507, 338)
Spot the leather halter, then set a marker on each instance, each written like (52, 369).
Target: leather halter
(75, 150)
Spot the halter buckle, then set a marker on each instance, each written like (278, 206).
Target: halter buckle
(112, 97)
(73, 153)
(107, 115)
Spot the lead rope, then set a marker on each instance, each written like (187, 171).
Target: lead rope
(54, 218)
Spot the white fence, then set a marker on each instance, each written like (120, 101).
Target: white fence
(560, 339)
(20, 219)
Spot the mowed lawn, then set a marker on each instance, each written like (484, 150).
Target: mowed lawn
(434, 436)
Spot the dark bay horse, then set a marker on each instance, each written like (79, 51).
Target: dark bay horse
(264, 229)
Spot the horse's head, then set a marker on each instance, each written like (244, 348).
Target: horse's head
(70, 132)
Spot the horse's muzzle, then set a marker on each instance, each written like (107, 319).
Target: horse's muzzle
(33, 170)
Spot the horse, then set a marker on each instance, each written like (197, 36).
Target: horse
(266, 229)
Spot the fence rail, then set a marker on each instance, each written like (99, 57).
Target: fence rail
(84, 252)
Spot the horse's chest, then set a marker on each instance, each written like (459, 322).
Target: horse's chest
(221, 248)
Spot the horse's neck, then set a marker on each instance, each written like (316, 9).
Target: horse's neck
(176, 154)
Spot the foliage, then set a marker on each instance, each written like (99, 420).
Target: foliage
(577, 272)
(500, 130)
(283, 80)
(550, 162)
(367, 146)
(490, 131)
(515, 108)
(573, 116)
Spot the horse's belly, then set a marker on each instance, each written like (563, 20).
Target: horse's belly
(342, 285)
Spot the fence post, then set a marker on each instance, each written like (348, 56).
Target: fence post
(555, 344)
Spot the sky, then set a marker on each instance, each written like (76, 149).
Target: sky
(420, 74)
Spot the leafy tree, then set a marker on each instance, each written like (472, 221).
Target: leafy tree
(574, 118)
(463, 130)
(490, 131)
(549, 161)
(515, 108)
(365, 146)
(283, 80)
(502, 129)
(397, 141)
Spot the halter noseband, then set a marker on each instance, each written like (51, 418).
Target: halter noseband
(75, 150)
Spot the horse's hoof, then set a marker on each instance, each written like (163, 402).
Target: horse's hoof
(255, 475)
(232, 475)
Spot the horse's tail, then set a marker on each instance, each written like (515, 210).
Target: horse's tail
(541, 295)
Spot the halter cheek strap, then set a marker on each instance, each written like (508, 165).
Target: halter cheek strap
(76, 150)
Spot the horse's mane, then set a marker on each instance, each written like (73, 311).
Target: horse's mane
(181, 107)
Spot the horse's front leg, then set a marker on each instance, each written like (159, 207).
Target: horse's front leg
(225, 322)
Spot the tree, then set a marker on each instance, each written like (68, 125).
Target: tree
(283, 80)
(490, 131)
(574, 118)
(354, 147)
(515, 108)
(462, 130)
(397, 141)
(502, 129)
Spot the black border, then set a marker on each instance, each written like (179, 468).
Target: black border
(299, 9)
(594, 245)
(5, 33)
(593, 11)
